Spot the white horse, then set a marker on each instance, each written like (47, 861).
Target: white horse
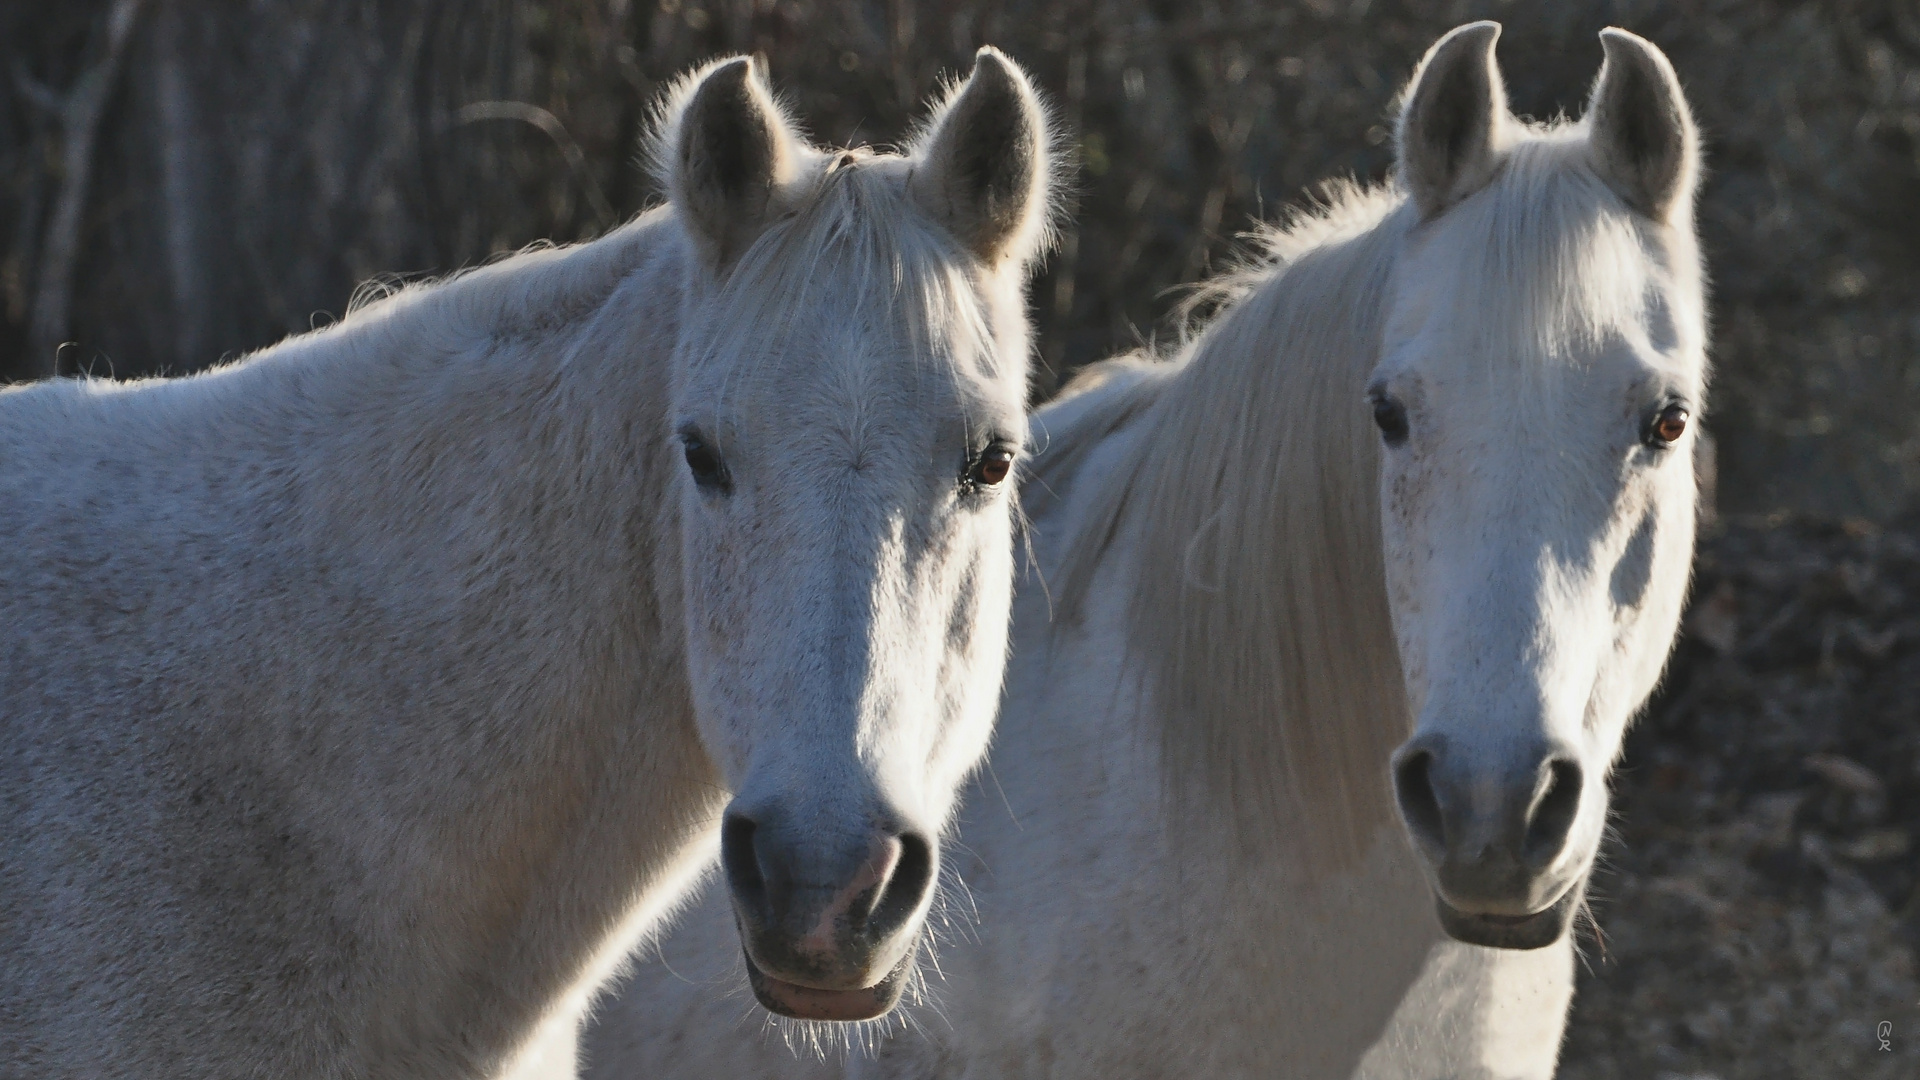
(1187, 858)
(363, 701)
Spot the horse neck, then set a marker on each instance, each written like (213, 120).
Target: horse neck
(493, 450)
(1259, 612)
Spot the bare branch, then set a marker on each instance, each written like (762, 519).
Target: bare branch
(79, 117)
(555, 130)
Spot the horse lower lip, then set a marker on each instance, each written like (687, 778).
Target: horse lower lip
(813, 1003)
(806, 1003)
(1535, 931)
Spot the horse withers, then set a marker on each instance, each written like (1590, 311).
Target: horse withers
(1345, 612)
(363, 701)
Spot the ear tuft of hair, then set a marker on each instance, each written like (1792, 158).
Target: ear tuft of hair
(730, 150)
(1640, 130)
(1454, 125)
(985, 163)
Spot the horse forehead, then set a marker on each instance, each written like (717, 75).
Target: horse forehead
(1552, 347)
(854, 397)
(1559, 384)
(864, 397)
(1542, 258)
(882, 345)
(1528, 432)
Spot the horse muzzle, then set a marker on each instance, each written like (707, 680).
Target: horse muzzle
(1496, 837)
(829, 933)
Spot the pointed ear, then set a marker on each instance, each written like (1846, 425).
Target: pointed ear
(984, 164)
(1453, 127)
(732, 152)
(1639, 128)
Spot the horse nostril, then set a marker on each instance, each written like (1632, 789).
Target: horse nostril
(742, 864)
(900, 895)
(1419, 806)
(1552, 820)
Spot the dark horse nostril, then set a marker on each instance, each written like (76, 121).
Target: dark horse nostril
(900, 895)
(1413, 787)
(1553, 817)
(742, 864)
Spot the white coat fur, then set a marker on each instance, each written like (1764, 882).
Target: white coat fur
(1186, 859)
(358, 709)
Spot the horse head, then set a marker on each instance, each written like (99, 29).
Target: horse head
(1543, 366)
(850, 405)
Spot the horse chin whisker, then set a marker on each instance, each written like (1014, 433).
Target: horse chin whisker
(826, 1040)
(951, 916)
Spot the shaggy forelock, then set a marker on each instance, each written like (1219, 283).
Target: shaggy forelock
(1568, 262)
(857, 244)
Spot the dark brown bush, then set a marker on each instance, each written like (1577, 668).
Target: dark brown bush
(250, 164)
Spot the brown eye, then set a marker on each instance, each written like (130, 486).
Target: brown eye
(992, 467)
(1668, 426)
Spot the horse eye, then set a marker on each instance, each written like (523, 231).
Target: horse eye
(991, 468)
(1667, 427)
(704, 463)
(1391, 417)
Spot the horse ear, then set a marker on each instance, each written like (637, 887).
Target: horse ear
(1640, 129)
(1454, 124)
(733, 150)
(984, 164)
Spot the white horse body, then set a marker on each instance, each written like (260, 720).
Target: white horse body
(212, 771)
(1140, 949)
(357, 706)
(1186, 858)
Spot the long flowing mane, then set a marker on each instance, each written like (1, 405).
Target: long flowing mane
(1259, 619)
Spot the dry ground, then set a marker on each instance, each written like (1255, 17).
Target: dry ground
(1760, 912)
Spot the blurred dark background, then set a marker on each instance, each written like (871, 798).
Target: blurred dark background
(185, 181)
